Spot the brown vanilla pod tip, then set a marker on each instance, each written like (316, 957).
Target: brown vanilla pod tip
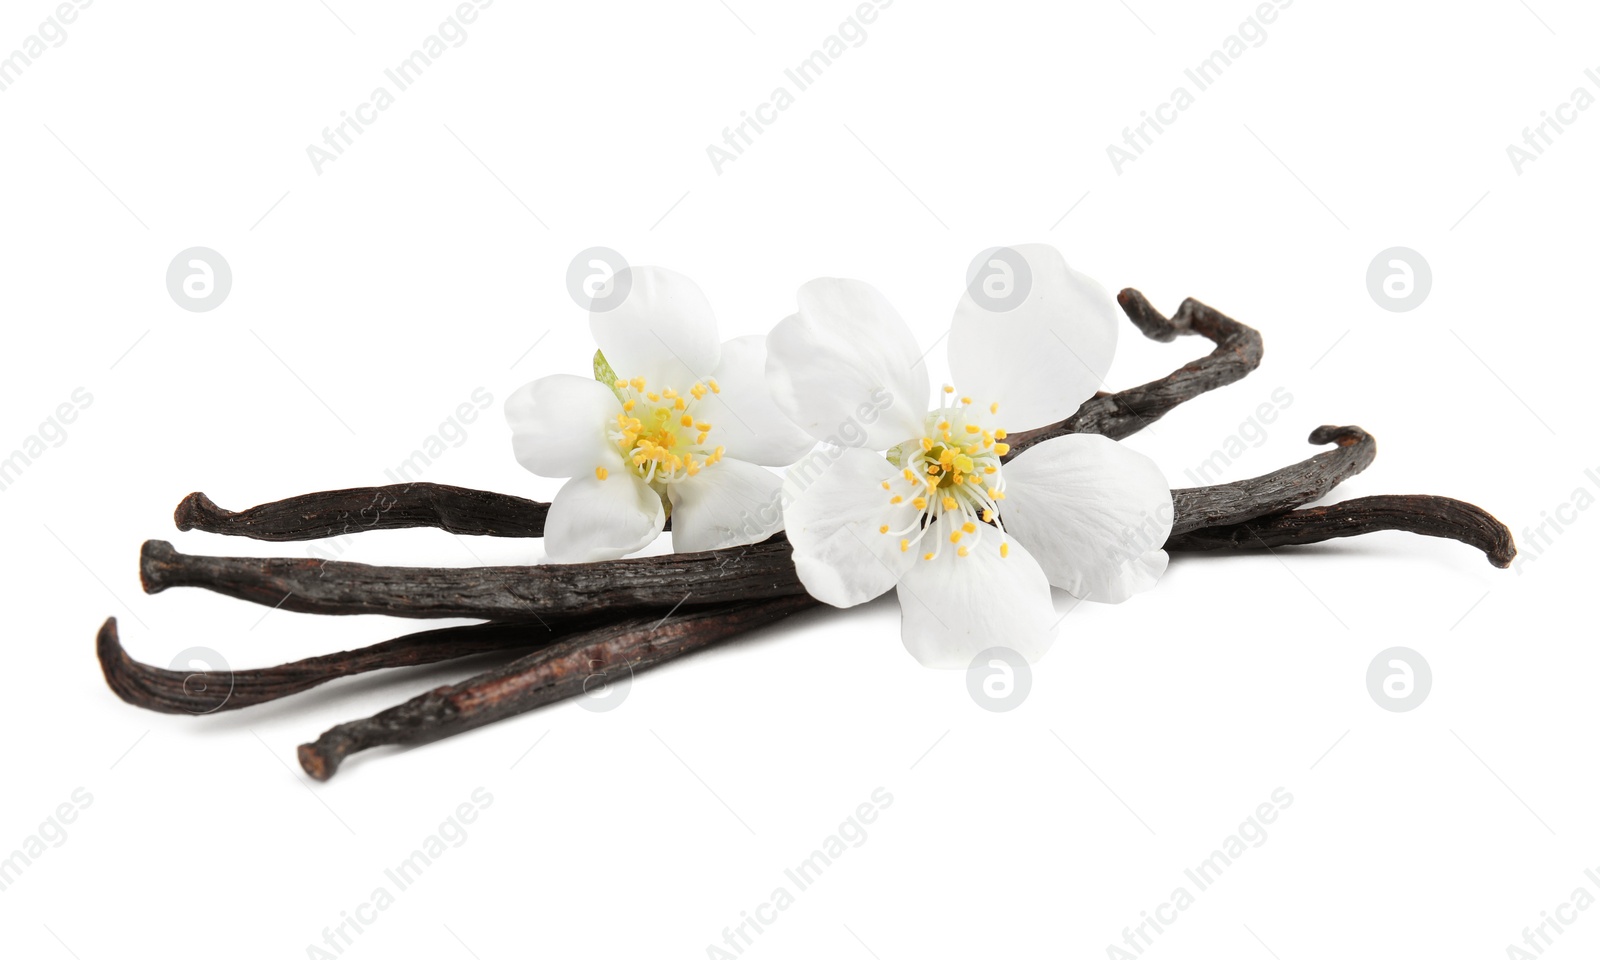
(157, 560)
(321, 760)
(198, 510)
(1344, 436)
(113, 661)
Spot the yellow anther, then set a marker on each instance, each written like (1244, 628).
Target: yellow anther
(927, 556)
(885, 484)
(896, 499)
(1001, 449)
(961, 552)
(637, 383)
(600, 473)
(975, 480)
(950, 503)
(994, 407)
(964, 463)
(969, 527)
(909, 475)
(966, 399)
(973, 428)
(884, 528)
(994, 493)
(680, 404)
(669, 393)
(933, 469)
(714, 387)
(949, 389)
(700, 439)
(629, 404)
(921, 503)
(654, 397)
(698, 390)
(1005, 548)
(927, 443)
(955, 536)
(944, 425)
(999, 434)
(702, 426)
(991, 469)
(686, 420)
(621, 384)
(905, 545)
(988, 515)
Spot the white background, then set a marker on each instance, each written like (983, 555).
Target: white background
(372, 299)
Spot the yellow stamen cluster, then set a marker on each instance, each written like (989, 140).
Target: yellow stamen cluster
(953, 471)
(658, 433)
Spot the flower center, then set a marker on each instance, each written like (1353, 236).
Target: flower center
(951, 474)
(658, 433)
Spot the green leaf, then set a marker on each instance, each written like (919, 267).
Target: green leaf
(604, 373)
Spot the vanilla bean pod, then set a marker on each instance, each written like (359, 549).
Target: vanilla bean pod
(558, 672)
(334, 513)
(1122, 414)
(544, 591)
(1425, 515)
(1195, 508)
(719, 576)
(200, 692)
(175, 691)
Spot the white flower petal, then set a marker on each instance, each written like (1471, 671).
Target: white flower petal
(1136, 576)
(846, 367)
(663, 330)
(558, 425)
(1043, 358)
(592, 519)
(834, 507)
(1096, 514)
(724, 505)
(953, 608)
(743, 416)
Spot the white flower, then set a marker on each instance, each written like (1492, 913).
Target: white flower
(688, 425)
(972, 545)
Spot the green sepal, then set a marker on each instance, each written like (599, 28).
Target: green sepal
(604, 373)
